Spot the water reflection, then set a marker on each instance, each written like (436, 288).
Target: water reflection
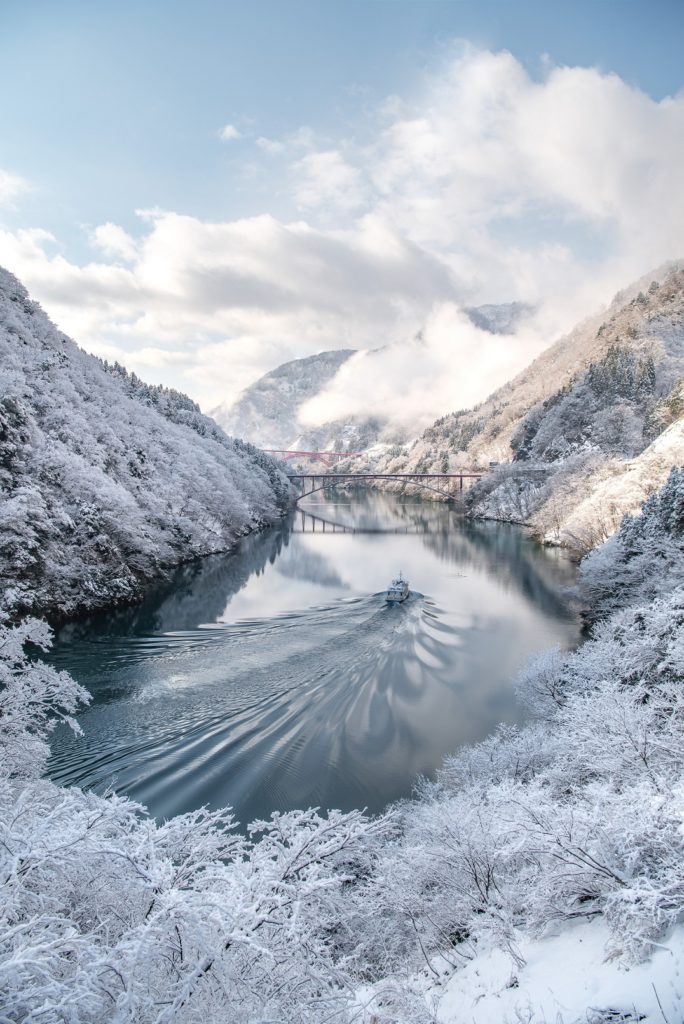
(277, 677)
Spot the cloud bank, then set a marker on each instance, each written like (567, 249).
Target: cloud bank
(489, 186)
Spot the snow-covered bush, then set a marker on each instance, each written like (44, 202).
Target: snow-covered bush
(33, 698)
(573, 817)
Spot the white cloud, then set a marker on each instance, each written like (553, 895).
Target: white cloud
(238, 297)
(271, 146)
(11, 186)
(491, 187)
(113, 241)
(446, 366)
(297, 142)
(326, 179)
(490, 152)
(229, 132)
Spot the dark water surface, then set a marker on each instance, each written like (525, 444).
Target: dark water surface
(277, 677)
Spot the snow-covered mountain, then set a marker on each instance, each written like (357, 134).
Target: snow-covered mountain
(579, 415)
(105, 481)
(501, 317)
(267, 412)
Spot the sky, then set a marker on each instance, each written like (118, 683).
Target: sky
(203, 191)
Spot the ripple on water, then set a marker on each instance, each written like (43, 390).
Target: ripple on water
(298, 698)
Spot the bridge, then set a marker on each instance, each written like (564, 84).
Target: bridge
(446, 485)
(327, 458)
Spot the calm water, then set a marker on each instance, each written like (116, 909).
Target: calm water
(277, 677)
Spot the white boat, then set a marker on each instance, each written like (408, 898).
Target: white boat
(398, 590)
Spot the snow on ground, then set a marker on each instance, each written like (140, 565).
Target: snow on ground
(566, 979)
(566, 976)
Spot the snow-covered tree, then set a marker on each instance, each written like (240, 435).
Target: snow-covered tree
(647, 548)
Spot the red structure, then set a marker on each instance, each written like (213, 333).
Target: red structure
(327, 458)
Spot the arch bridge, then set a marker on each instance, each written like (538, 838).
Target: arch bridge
(446, 485)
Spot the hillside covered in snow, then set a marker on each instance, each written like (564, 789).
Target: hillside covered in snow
(267, 413)
(581, 436)
(105, 482)
(537, 878)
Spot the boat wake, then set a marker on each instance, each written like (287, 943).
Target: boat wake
(262, 714)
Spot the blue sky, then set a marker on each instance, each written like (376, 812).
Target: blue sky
(113, 108)
(116, 106)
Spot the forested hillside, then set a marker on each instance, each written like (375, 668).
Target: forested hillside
(585, 433)
(105, 481)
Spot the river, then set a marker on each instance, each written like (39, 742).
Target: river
(277, 676)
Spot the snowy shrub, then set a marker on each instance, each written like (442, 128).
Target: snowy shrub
(577, 815)
(542, 684)
(510, 753)
(33, 698)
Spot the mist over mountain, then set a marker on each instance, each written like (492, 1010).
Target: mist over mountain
(581, 436)
(267, 412)
(273, 412)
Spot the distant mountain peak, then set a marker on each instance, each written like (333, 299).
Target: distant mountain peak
(499, 318)
(267, 412)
